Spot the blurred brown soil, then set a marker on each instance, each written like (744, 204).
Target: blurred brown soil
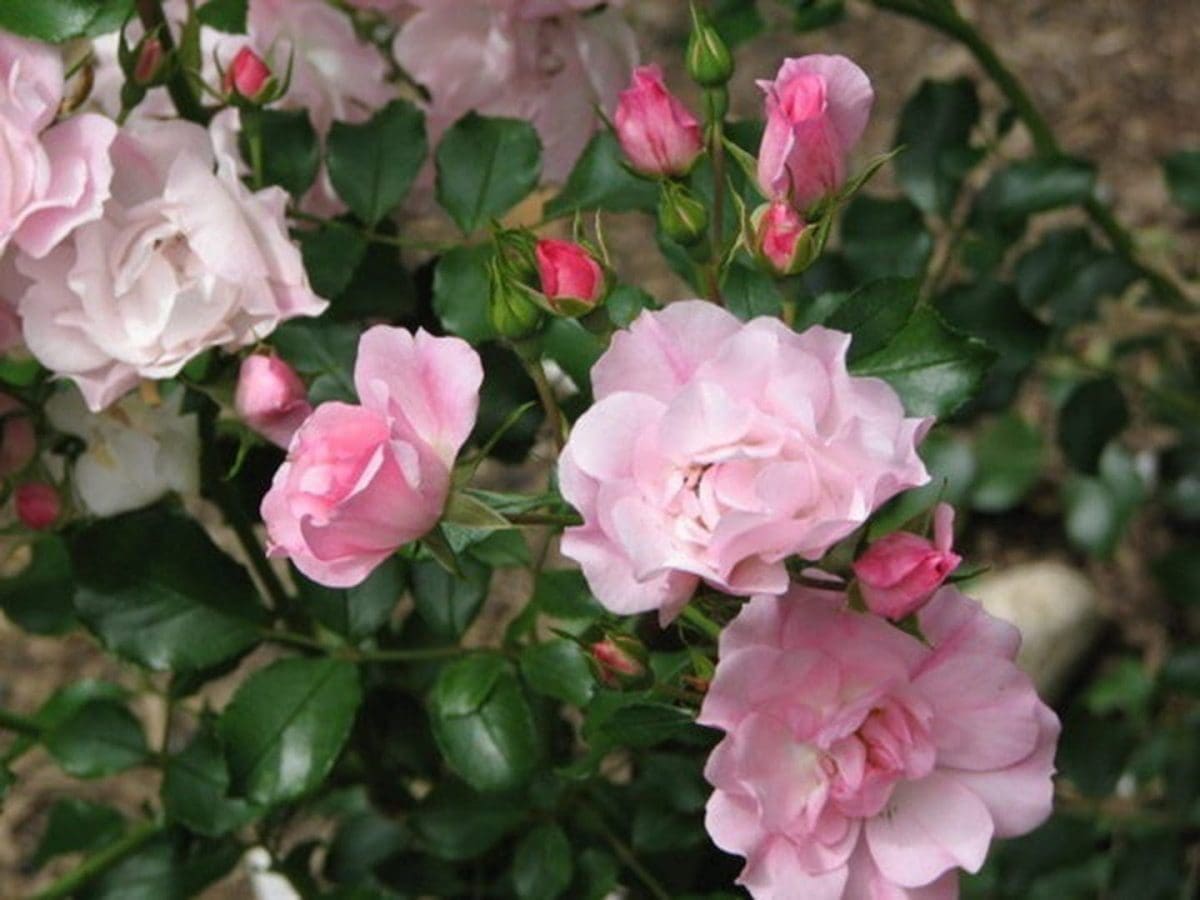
(1118, 80)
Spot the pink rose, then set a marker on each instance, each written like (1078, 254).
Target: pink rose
(271, 398)
(360, 481)
(38, 505)
(817, 109)
(53, 178)
(716, 449)
(502, 59)
(658, 133)
(900, 571)
(186, 258)
(18, 442)
(569, 273)
(778, 230)
(247, 75)
(859, 762)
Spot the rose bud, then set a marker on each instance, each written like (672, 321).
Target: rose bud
(681, 216)
(571, 279)
(38, 505)
(619, 660)
(271, 398)
(659, 135)
(151, 60)
(782, 239)
(817, 108)
(900, 571)
(247, 76)
(709, 61)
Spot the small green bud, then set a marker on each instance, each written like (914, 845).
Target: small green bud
(513, 313)
(681, 215)
(709, 62)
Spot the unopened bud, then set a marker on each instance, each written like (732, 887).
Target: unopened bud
(513, 313)
(658, 134)
(709, 61)
(782, 241)
(619, 660)
(271, 398)
(571, 279)
(681, 216)
(38, 505)
(248, 77)
(151, 62)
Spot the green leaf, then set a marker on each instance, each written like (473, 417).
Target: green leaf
(558, 668)
(933, 369)
(750, 293)
(1066, 275)
(874, 314)
(155, 589)
(1010, 462)
(224, 15)
(600, 181)
(1092, 416)
(165, 869)
(884, 238)
(1098, 508)
(195, 789)
(1178, 573)
(1035, 185)
(461, 292)
(291, 151)
(935, 130)
(542, 866)
(332, 254)
(574, 348)
(55, 21)
(373, 165)
(1182, 171)
(564, 594)
(1124, 687)
(483, 723)
(626, 303)
(502, 550)
(39, 597)
(286, 725)
(98, 738)
(362, 842)
(638, 725)
(77, 826)
(320, 348)
(456, 823)
(448, 605)
(359, 611)
(485, 167)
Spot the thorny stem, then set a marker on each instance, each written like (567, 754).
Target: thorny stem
(944, 17)
(186, 103)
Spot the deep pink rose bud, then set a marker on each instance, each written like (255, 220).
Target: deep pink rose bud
(150, 61)
(38, 505)
(781, 238)
(657, 132)
(619, 660)
(247, 76)
(817, 108)
(572, 281)
(900, 571)
(271, 398)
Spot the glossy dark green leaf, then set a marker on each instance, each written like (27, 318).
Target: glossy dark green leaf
(1066, 275)
(640, 725)
(195, 789)
(323, 349)
(362, 842)
(503, 550)
(750, 293)
(286, 725)
(332, 254)
(1035, 185)
(361, 610)
(39, 597)
(1182, 171)
(456, 823)
(448, 605)
(564, 594)
(158, 591)
(98, 738)
(291, 151)
(60, 20)
(558, 668)
(486, 166)
(542, 867)
(737, 21)
(885, 238)
(373, 164)
(1010, 455)
(167, 868)
(77, 826)
(574, 348)
(1093, 414)
(461, 292)
(659, 829)
(874, 314)
(933, 369)
(224, 15)
(626, 303)
(935, 131)
(483, 723)
(600, 181)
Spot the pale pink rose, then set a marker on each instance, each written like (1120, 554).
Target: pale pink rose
(817, 109)
(659, 135)
(38, 505)
(716, 449)
(501, 60)
(568, 272)
(778, 231)
(900, 571)
(53, 178)
(859, 762)
(18, 442)
(361, 481)
(186, 258)
(271, 398)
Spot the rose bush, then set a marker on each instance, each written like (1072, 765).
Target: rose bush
(335, 405)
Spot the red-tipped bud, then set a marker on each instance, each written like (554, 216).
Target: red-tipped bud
(782, 239)
(247, 76)
(571, 279)
(151, 59)
(619, 660)
(38, 505)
